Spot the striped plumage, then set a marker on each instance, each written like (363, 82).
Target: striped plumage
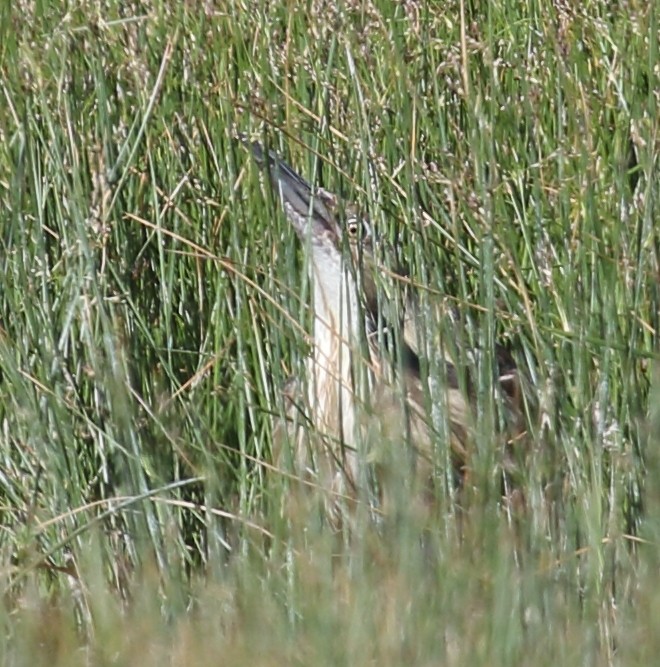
(360, 407)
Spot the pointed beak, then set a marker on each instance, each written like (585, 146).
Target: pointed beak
(310, 212)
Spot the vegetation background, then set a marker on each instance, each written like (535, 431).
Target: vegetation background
(152, 304)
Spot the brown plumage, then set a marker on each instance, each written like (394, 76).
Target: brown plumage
(362, 409)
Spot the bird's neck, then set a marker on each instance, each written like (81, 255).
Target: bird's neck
(335, 364)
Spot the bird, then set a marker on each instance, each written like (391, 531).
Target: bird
(362, 409)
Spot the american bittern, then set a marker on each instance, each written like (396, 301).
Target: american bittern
(359, 404)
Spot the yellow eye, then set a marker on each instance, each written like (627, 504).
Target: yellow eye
(353, 227)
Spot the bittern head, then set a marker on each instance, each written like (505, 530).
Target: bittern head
(337, 233)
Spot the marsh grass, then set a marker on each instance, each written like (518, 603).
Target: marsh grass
(153, 302)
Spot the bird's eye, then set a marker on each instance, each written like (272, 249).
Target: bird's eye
(353, 227)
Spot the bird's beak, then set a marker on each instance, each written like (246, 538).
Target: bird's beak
(310, 212)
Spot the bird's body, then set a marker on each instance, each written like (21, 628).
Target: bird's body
(362, 404)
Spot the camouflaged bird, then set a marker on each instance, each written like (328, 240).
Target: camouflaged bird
(363, 407)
